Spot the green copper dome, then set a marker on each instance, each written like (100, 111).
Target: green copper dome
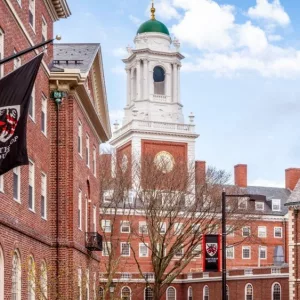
(153, 26)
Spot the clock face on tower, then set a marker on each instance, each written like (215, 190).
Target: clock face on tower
(124, 163)
(164, 161)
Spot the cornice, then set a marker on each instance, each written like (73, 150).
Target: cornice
(58, 9)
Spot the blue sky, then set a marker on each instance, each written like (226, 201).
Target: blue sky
(240, 77)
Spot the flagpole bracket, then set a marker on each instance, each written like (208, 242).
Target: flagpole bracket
(58, 97)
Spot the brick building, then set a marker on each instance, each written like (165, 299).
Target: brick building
(49, 209)
(257, 252)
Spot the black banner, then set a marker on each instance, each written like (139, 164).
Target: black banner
(211, 253)
(15, 92)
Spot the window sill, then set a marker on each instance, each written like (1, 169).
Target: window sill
(32, 119)
(44, 219)
(32, 27)
(45, 134)
(18, 201)
(31, 210)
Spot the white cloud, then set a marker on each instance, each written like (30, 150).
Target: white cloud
(274, 37)
(135, 20)
(165, 10)
(120, 52)
(267, 183)
(205, 24)
(119, 70)
(272, 12)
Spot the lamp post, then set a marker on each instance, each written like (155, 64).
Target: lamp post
(112, 289)
(252, 197)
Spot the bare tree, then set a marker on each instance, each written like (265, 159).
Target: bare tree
(177, 210)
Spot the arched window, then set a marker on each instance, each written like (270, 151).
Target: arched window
(159, 80)
(171, 293)
(148, 293)
(101, 293)
(276, 291)
(1, 274)
(190, 293)
(16, 277)
(31, 278)
(227, 292)
(126, 293)
(249, 292)
(206, 293)
(44, 281)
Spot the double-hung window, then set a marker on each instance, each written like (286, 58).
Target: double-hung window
(2, 184)
(246, 252)
(94, 161)
(125, 227)
(1, 51)
(31, 110)
(31, 198)
(17, 184)
(262, 231)
(246, 231)
(87, 151)
(276, 204)
(95, 218)
(125, 249)
(44, 115)
(143, 229)
(262, 252)
(80, 138)
(105, 224)
(278, 232)
(106, 249)
(80, 209)
(143, 249)
(17, 61)
(44, 30)
(44, 196)
(31, 14)
(230, 252)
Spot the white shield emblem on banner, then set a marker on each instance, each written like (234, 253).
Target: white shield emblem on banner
(211, 248)
(9, 117)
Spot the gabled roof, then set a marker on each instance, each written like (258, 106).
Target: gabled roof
(294, 198)
(74, 56)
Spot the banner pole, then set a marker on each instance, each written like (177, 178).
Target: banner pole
(9, 58)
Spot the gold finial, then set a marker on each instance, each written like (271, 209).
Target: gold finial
(152, 11)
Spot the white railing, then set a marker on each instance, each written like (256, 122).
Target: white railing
(160, 98)
(157, 126)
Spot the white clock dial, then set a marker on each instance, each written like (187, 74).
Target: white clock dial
(164, 161)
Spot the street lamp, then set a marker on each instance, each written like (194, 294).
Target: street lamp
(252, 197)
(112, 289)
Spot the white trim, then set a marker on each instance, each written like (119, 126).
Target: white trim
(129, 290)
(232, 252)
(106, 248)
(45, 112)
(31, 177)
(171, 287)
(246, 247)
(272, 290)
(246, 291)
(79, 211)
(18, 274)
(264, 228)
(86, 215)
(188, 292)
(32, 117)
(121, 249)
(243, 231)
(1, 183)
(32, 9)
(273, 204)
(106, 225)
(261, 203)
(87, 150)
(2, 40)
(79, 137)
(277, 237)
(44, 193)
(94, 161)
(148, 287)
(204, 292)
(266, 251)
(147, 249)
(95, 218)
(17, 171)
(122, 223)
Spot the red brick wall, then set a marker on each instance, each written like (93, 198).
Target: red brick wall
(240, 175)
(292, 176)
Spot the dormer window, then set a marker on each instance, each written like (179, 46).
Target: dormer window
(159, 80)
(259, 206)
(276, 204)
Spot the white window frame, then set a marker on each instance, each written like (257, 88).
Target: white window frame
(205, 295)
(80, 283)
(197, 250)
(264, 248)
(19, 2)
(272, 290)
(44, 194)
(227, 249)
(17, 171)
(162, 227)
(44, 32)
(278, 237)
(125, 223)
(44, 111)
(243, 231)
(17, 61)
(230, 228)
(176, 256)
(31, 182)
(18, 275)
(274, 201)
(246, 247)
(87, 150)
(121, 249)
(32, 117)
(106, 248)
(79, 210)
(178, 228)
(242, 201)
(86, 215)
(167, 292)
(2, 40)
(257, 203)
(106, 226)
(79, 138)
(95, 218)
(143, 224)
(145, 245)
(126, 287)
(246, 290)
(94, 161)
(32, 9)
(262, 231)
(2, 184)
(31, 279)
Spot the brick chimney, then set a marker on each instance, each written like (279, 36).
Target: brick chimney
(200, 172)
(292, 176)
(240, 175)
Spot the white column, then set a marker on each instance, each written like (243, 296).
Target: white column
(178, 85)
(138, 80)
(175, 84)
(169, 83)
(128, 86)
(132, 96)
(150, 81)
(146, 79)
